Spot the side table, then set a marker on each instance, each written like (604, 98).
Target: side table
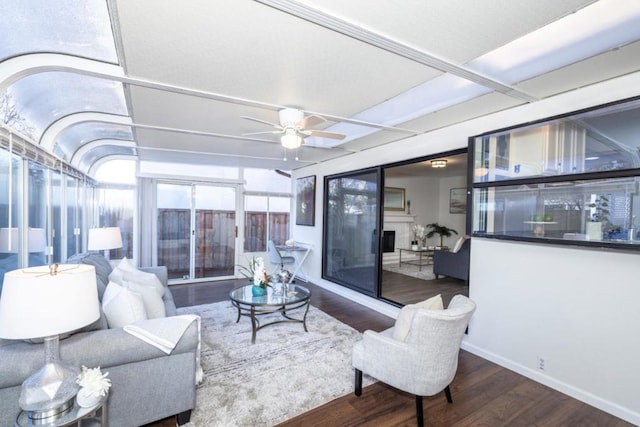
(77, 416)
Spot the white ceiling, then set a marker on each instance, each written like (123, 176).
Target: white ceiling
(192, 69)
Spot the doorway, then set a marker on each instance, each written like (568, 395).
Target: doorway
(196, 230)
(407, 275)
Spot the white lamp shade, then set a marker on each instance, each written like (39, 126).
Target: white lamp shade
(37, 241)
(9, 240)
(36, 304)
(104, 238)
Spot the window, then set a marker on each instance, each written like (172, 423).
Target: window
(266, 218)
(573, 179)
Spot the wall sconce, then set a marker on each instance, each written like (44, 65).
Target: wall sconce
(441, 163)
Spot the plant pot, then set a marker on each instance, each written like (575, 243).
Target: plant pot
(87, 399)
(258, 291)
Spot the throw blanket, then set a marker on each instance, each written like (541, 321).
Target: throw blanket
(164, 333)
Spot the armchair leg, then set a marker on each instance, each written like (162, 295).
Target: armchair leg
(447, 392)
(419, 412)
(358, 390)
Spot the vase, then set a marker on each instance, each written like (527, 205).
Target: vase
(87, 399)
(258, 291)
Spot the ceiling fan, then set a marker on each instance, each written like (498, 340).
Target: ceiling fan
(294, 127)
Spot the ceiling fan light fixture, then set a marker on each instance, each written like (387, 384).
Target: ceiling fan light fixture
(440, 163)
(291, 139)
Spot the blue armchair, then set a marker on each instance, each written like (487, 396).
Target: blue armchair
(453, 264)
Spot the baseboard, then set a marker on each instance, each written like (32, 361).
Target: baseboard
(577, 393)
(372, 303)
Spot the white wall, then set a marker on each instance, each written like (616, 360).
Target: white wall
(577, 308)
(430, 202)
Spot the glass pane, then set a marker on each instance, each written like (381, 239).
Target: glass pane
(279, 208)
(350, 247)
(10, 171)
(595, 141)
(255, 223)
(56, 216)
(73, 225)
(215, 231)
(74, 137)
(116, 209)
(174, 229)
(117, 172)
(266, 180)
(46, 97)
(75, 27)
(105, 150)
(37, 196)
(598, 210)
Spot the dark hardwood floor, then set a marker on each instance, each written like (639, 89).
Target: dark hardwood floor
(484, 394)
(406, 289)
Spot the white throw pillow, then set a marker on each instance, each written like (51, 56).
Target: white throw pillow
(122, 306)
(459, 244)
(153, 303)
(127, 272)
(403, 322)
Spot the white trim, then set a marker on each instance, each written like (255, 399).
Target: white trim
(76, 157)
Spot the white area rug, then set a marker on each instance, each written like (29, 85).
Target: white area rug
(424, 273)
(285, 373)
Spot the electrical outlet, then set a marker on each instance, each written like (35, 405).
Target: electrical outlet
(542, 363)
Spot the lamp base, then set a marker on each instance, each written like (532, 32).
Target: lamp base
(46, 394)
(47, 416)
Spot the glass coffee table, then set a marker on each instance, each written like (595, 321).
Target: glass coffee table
(297, 297)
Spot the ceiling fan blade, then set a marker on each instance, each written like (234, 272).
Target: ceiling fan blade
(262, 133)
(310, 121)
(323, 134)
(262, 121)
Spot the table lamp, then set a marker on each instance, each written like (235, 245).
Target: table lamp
(45, 302)
(9, 243)
(105, 238)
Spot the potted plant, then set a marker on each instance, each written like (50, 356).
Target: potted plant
(600, 219)
(418, 232)
(441, 230)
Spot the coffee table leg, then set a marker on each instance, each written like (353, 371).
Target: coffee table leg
(254, 325)
(238, 306)
(304, 318)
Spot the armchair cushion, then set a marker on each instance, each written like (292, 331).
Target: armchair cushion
(405, 318)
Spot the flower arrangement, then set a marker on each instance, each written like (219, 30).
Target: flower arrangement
(93, 381)
(256, 272)
(419, 234)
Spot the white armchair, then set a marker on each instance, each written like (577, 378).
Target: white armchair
(425, 363)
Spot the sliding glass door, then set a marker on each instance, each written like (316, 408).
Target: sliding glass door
(351, 238)
(196, 226)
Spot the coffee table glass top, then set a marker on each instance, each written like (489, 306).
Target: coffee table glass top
(296, 294)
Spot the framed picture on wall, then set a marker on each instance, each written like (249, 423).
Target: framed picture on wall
(306, 200)
(458, 200)
(394, 199)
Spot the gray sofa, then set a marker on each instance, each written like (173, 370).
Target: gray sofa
(453, 264)
(147, 384)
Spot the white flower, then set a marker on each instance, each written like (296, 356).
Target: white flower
(94, 381)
